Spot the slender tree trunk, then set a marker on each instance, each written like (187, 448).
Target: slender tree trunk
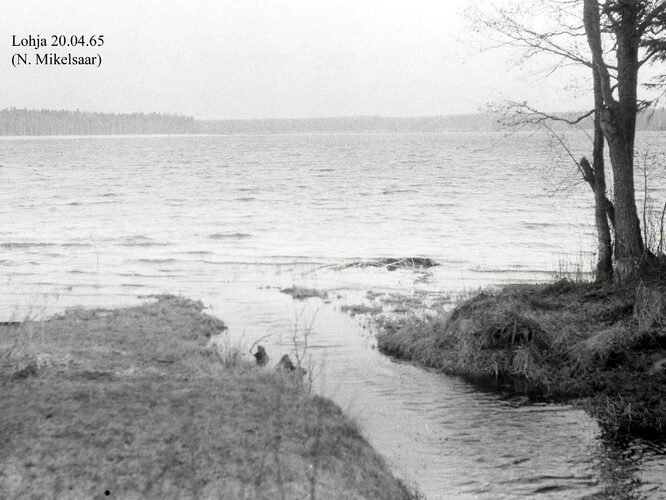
(601, 204)
(595, 175)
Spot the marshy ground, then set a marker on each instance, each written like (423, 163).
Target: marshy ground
(599, 346)
(136, 403)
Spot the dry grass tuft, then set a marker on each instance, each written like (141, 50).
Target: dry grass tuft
(231, 351)
(649, 308)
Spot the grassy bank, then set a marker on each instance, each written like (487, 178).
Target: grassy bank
(600, 346)
(134, 403)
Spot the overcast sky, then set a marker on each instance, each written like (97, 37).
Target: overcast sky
(267, 59)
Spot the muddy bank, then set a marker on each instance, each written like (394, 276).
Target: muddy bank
(134, 403)
(601, 347)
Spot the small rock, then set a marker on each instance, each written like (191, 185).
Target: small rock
(261, 356)
(285, 363)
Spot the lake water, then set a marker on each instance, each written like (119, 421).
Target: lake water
(232, 219)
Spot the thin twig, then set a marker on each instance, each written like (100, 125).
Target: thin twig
(257, 341)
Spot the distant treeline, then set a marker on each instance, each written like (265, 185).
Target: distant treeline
(469, 123)
(652, 120)
(46, 122)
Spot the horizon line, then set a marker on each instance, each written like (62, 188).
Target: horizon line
(329, 117)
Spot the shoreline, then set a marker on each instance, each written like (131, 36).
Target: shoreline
(136, 402)
(595, 346)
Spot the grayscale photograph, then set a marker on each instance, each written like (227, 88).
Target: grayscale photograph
(333, 249)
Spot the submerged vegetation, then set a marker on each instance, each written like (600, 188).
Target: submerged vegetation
(302, 293)
(390, 263)
(597, 344)
(137, 402)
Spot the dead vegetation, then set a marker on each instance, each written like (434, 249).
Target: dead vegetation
(389, 263)
(137, 403)
(355, 309)
(302, 293)
(392, 303)
(560, 341)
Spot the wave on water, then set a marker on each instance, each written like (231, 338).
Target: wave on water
(72, 244)
(11, 245)
(262, 263)
(537, 225)
(143, 244)
(140, 275)
(197, 252)
(155, 261)
(229, 236)
(141, 241)
(398, 191)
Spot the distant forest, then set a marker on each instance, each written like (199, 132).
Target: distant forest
(20, 122)
(653, 120)
(46, 122)
(467, 123)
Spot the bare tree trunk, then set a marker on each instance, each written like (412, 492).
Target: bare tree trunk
(628, 238)
(601, 203)
(618, 123)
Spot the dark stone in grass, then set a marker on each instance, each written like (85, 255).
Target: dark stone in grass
(261, 356)
(286, 364)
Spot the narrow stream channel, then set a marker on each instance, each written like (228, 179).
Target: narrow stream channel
(438, 432)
